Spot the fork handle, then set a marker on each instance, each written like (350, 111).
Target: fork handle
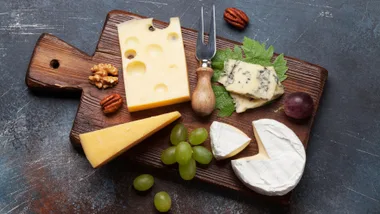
(203, 98)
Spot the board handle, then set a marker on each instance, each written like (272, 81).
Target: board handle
(203, 99)
(57, 65)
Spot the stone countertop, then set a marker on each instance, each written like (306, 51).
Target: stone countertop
(41, 172)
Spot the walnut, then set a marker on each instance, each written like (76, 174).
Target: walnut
(104, 75)
(103, 82)
(104, 69)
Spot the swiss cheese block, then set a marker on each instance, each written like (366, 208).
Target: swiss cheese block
(279, 165)
(104, 145)
(154, 64)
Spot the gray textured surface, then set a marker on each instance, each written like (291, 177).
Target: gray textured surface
(40, 171)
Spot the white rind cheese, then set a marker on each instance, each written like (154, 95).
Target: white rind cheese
(279, 166)
(226, 140)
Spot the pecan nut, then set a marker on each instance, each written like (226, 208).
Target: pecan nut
(236, 18)
(111, 103)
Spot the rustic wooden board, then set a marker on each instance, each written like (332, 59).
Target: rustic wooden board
(74, 69)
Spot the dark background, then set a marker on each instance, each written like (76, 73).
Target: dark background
(41, 172)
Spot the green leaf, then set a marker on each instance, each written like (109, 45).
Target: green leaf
(283, 78)
(280, 67)
(224, 101)
(254, 50)
(237, 54)
(269, 52)
(216, 75)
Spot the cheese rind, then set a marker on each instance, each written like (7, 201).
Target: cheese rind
(279, 166)
(104, 145)
(154, 64)
(226, 140)
(248, 79)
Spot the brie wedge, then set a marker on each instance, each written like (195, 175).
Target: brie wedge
(226, 140)
(279, 166)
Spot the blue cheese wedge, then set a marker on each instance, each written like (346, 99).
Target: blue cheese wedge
(226, 140)
(233, 76)
(250, 80)
(243, 103)
(279, 165)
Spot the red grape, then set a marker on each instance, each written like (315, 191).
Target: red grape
(298, 105)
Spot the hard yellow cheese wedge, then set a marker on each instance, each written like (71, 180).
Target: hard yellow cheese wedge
(104, 145)
(154, 64)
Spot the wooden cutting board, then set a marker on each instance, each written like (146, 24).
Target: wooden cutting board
(59, 67)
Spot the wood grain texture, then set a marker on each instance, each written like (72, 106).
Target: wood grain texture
(74, 69)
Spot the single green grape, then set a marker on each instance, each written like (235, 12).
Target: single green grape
(183, 153)
(202, 155)
(143, 182)
(198, 136)
(178, 134)
(162, 201)
(187, 171)
(168, 156)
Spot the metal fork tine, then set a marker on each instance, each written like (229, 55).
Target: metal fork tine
(212, 34)
(206, 51)
(200, 40)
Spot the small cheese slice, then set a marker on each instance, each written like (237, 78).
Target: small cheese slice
(243, 103)
(279, 166)
(106, 144)
(154, 64)
(226, 140)
(248, 79)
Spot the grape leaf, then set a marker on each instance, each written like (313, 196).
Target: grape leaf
(254, 50)
(224, 101)
(280, 67)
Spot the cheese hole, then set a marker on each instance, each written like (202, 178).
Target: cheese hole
(161, 88)
(154, 50)
(54, 63)
(136, 68)
(131, 41)
(173, 68)
(130, 54)
(172, 37)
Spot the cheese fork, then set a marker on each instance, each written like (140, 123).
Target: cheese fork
(203, 98)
